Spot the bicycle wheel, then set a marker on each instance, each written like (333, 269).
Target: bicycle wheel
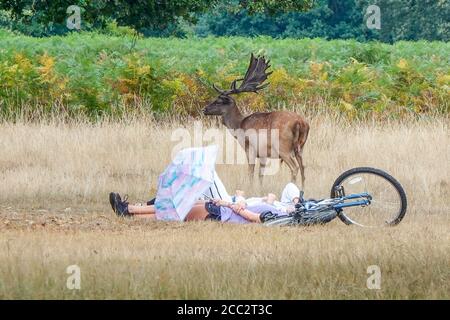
(307, 219)
(281, 221)
(388, 204)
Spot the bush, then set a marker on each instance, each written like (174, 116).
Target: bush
(98, 74)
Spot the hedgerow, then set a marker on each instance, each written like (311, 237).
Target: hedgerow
(97, 74)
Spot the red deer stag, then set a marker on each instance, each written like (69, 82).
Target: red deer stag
(292, 128)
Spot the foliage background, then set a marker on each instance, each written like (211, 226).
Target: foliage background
(329, 19)
(164, 56)
(97, 74)
(336, 19)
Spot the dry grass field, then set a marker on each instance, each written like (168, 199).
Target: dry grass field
(54, 212)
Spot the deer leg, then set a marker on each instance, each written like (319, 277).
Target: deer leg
(262, 168)
(299, 158)
(251, 165)
(251, 170)
(293, 166)
(251, 159)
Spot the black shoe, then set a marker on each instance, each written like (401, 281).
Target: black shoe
(111, 201)
(120, 207)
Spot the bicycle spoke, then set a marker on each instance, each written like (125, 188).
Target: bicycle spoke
(384, 206)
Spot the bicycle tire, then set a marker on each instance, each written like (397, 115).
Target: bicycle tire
(398, 187)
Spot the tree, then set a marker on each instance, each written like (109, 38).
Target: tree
(412, 19)
(327, 19)
(337, 19)
(50, 16)
(273, 7)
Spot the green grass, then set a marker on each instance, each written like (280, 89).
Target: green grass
(96, 74)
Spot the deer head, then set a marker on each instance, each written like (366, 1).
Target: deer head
(220, 107)
(252, 82)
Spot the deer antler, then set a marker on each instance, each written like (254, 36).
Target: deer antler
(217, 89)
(253, 79)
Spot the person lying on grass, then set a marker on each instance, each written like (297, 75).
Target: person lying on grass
(289, 196)
(216, 210)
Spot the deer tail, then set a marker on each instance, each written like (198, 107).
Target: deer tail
(301, 131)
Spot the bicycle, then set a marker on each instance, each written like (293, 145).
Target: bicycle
(363, 196)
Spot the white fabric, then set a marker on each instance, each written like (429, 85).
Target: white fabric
(280, 206)
(290, 192)
(217, 190)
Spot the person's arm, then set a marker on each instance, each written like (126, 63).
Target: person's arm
(238, 196)
(270, 199)
(246, 214)
(221, 203)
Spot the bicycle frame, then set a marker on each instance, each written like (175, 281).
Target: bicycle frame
(365, 200)
(361, 199)
(312, 211)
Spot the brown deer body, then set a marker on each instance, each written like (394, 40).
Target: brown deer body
(292, 129)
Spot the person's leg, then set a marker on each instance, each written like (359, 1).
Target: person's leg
(138, 210)
(290, 194)
(145, 216)
(122, 208)
(198, 212)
